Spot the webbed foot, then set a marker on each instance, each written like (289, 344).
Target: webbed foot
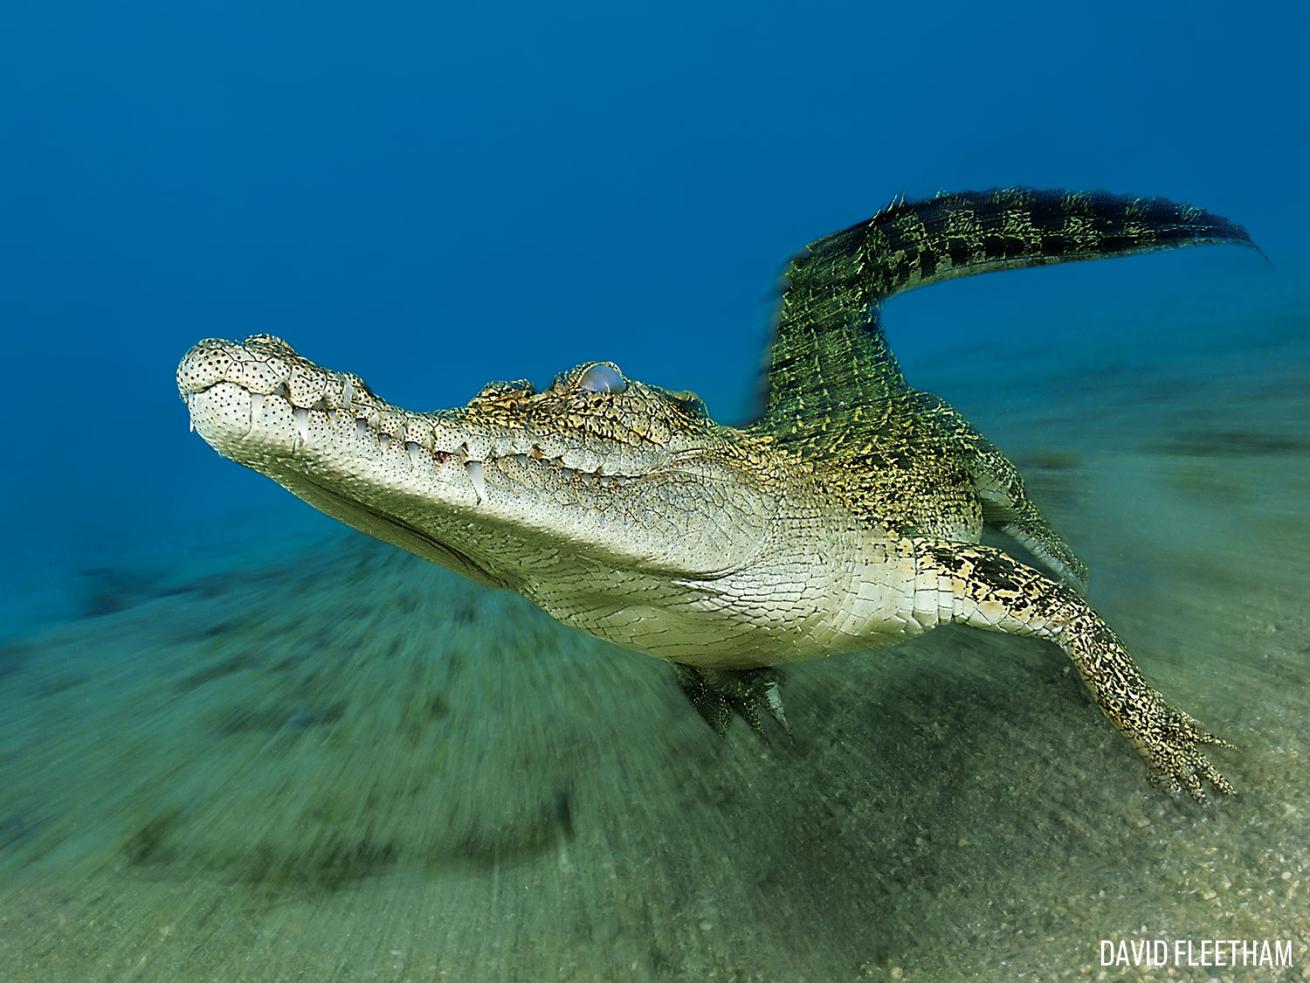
(1170, 741)
(717, 694)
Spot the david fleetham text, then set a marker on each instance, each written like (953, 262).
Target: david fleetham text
(1196, 952)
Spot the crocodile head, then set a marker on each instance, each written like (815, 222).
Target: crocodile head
(593, 475)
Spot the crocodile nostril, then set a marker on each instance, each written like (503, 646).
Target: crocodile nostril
(205, 365)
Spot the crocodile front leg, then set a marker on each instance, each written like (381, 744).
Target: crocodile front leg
(717, 694)
(983, 587)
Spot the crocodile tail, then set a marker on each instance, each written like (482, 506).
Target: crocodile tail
(830, 362)
(912, 244)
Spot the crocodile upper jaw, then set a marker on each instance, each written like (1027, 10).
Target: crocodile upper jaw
(504, 504)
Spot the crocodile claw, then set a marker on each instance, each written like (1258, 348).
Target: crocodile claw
(1171, 745)
(718, 694)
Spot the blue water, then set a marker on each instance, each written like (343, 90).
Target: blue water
(436, 195)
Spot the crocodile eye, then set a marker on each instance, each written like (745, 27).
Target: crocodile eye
(602, 377)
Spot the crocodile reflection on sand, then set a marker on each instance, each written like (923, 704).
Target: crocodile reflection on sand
(847, 517)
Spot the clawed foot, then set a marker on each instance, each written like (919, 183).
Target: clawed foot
(1170, 741)
(717, 694)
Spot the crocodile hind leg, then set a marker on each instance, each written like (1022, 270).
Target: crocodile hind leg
(1021, 520)
(984, 588)
(1005, 503)
(717, 694)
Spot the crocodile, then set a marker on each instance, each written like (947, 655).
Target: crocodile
(847, 516)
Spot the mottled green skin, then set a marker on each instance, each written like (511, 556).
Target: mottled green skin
(848, 517)
(907, 460)
(836, 393)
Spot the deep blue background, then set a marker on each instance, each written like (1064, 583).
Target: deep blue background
(437, 195)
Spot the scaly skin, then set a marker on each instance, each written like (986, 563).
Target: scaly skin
(847, 517)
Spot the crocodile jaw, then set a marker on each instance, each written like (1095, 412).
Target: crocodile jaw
(507, 505)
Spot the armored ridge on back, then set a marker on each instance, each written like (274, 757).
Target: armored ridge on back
(847, 517)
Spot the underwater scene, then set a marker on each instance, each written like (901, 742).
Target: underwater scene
(648, 690)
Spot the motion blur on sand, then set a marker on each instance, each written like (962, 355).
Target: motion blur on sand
(239, 742)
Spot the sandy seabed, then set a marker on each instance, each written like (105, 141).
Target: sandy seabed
(340, 763)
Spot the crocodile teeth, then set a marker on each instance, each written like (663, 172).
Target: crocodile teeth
(347, 394)
(474, 469)
(256, 409)
(301, 416)
(412, 447)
